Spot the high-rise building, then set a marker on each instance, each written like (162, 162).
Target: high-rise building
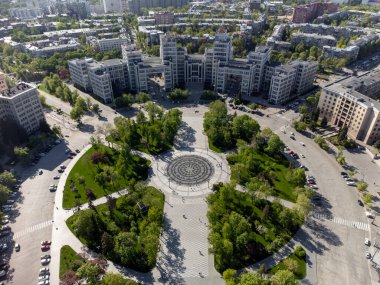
(344, 103)
(22, 105)
(260, 57)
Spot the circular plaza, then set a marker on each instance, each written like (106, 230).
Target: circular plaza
(189, 173)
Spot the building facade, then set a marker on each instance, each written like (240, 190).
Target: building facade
(21, 104)
(136, 6)
(307, 13)
(344, 103)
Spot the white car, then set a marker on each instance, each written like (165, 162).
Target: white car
(44, 277)
(368, 255)
(302, 143)
(367, 242)
(44, 282)
(351, 183)
(302, 155)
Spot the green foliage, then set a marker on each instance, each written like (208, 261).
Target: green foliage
(322, 143)
(142, 97)
(90, 273)
(238, 235)
(116, 279)
(125, 100)
(133, 236)
(154, 50)
(284, 277)
(22, 153)
(7, 179)
(179, 94)
(224, 130)
(295, 263)
(209, 95)
(113, 171)
(154, 134)
(69, 260)
(54, 85)
(265, 174)
(362, 186)
(299, 126)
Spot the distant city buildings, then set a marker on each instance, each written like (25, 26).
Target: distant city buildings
(22, 105)
(352, 102)
(136, 6)
(307, 13)
(108, 44)
(217, 68)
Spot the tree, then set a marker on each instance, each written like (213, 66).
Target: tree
(85, 226)
(43, 100)
(284, 277)
(291, 265)
(126, 247)
(342, 134)
(275, 145)
(4, 194)
(244, 127)
(340, 158)
(76, 114)
(297, 177)
(142, 97)
(96, 109)
(303, 205)
(250, 278)
(7, 179)
(89, 272)
(362, 186)
(179, 94)
(367, 198)
(229, 275)
(81, 105)
(57, 130)
(21, 153)
(299, 126)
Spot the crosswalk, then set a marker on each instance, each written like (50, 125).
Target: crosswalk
(26, 231)
(353, 224)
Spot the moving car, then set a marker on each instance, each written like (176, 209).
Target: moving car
(56, 177)
(367, 241)
(17, 247)
(368, 255)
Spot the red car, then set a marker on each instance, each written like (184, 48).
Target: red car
(45, 247)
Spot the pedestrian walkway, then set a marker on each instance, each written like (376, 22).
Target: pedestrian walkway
(353, 224)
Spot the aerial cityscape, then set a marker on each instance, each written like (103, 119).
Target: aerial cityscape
(178, 142)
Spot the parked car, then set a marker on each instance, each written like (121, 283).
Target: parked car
(367, 242)
(351, 183)
(45, 247)
(56, 177)
(360, 203)
(40, 172)
(367, 255)
(45, 259)
(314, 186)
(46, 242)
(302, 143)
(17, 247)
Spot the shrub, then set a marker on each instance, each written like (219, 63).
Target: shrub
(300, 252)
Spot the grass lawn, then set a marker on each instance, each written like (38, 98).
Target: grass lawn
(68, 257)
(279, 167)
(300, 273)
(86, 170)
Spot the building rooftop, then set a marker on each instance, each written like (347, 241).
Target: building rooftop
(17, 90)
(348, 86)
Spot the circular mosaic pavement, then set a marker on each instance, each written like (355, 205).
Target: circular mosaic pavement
(190, 170)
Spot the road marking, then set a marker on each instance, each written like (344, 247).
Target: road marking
(31, 229)
(352, 224)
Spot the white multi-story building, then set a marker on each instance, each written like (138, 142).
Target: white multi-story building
(217, 68)
(25, 13)
(21, 104)
(291, 80)
(112, 6)
(109, 44)
(343, 103)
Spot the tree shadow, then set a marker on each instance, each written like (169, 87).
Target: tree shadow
(170, 264)
(185, 137)
(87, 128)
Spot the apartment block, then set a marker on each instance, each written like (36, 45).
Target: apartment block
(307, 13)
(344, 103)
(103, 45)
(21, 104)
